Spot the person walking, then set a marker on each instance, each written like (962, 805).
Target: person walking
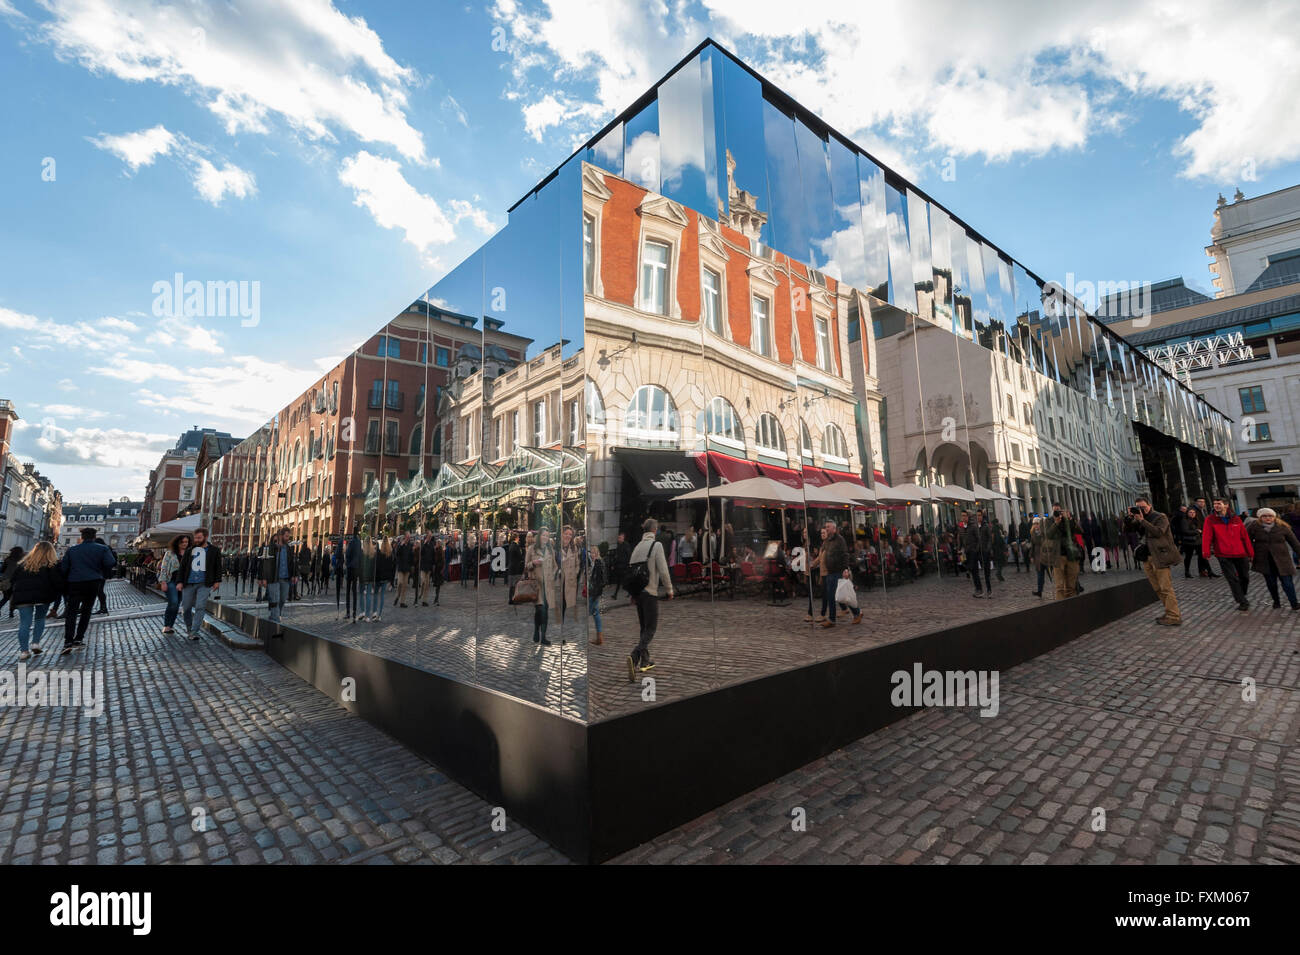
(1161, 554)
(1274, 542)
(200, 577)
(1224, 536)
(428, 556)
(100, 595)
(622, 557)
(647, 576)
(1061, 531)
(169, 569)
(276, 571)
(514, 566)
(84, 567)
(385, 572)
(35, 584)
(352, 565)
(1191, 526)
(1039, 552)
(595, 585)
(369, 591)
(834, 561)
(544, 568)
(978, 542)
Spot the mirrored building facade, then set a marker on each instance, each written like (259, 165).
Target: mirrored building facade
(723, 316)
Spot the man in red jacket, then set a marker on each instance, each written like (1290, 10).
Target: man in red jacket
(1224, 536)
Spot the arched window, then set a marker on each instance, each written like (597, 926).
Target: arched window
(834, 447)
(595, 406)
(769, 436)
(417, 436)
(652, 418)
(719, 423)
(805, 442)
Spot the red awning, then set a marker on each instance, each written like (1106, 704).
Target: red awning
(816, 476)
(786, 476)
(834, 476)
(726, 467)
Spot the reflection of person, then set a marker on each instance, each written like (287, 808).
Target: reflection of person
(1274, 541)
(1162, 553)
(622, 556)
(978, 541)
(596, 584)
(570, 569)
(1039, 556)
(276, 572)
(514, 565)
(1224, 536)
(650, 553)
(543, 568)
(369, 592)
(385, 571)
(352, 562)
(834, 562)
(1061, 531)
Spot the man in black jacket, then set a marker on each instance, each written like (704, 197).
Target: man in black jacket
(200, 577)
(835, 560)
(84, 567)
(978, 541)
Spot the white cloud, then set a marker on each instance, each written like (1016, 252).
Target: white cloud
(450, 104)
(98, 447)
(394, 203)
(942, 77)
(302, 61)
(212, 183)
(73, 411)
(103, 335)
(242, 390)
(139, 148)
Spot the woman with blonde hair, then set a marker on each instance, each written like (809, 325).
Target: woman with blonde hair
(37, 582)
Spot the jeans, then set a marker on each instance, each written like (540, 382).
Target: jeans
(829, 583)
(1270, 581)
(372, 599)
(28, 612)
(194, 602)
(277, 592)
(173, 605)
(647, 615)
(1236, 571)
(593, 608)
(80, 602)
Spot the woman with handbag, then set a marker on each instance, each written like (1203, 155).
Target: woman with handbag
(544, 570)
(169, 569)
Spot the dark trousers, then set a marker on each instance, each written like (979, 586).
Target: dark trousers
(103, 600)
(647, 615)
(1288, 587)
(1236, 571)
(829, 583)
(351, 608)
(80, 603)
(1202, 565)
(976, 561)
(541, 620)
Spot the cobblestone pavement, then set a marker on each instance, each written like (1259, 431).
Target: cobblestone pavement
(1146, 723)
(205, 754)
(703, 642)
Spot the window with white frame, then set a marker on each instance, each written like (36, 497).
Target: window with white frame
(834, 447)
(761, 321)
(655, 259)
(595, 406)
(589, 252)
(652, 418)
(822, 327)
(718, 423)
(769, 436)
(711, 289)
(539, 423)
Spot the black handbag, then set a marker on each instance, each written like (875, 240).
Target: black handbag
(1141, 552)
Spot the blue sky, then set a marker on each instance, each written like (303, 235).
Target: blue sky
(345, 156)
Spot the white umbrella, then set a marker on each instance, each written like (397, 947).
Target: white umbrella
(947, 492)
(902, 494)
(839, 493)
(762, 489)
(984, 494)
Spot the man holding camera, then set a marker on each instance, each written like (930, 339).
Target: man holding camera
(1061, 531)
(1161, 554)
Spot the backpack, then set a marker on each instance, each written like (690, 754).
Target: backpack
(638, 573)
